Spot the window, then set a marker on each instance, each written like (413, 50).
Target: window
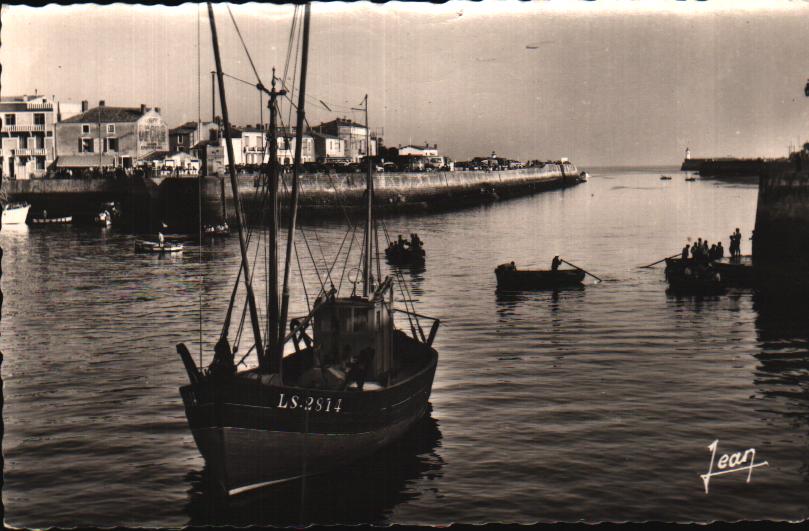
(40, 142)
(85, 129)
(11, 119)
(39, 118)
(179, 140)
(111, 144)
(40, 163)
(111, 128)
(85, 145)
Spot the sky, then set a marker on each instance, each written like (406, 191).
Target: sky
(603, 83)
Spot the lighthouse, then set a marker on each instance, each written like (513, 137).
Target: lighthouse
(687, 154)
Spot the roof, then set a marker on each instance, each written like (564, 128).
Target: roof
(424, 148)
(188, 127)
(343, 122)
(106, 115)
(322, 135)
(84, 161)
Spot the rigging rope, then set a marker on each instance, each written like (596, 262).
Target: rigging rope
(246, 51)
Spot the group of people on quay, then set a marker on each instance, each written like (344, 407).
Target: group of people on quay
(702, 251)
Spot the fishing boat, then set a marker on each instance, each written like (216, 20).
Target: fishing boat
(15, 213)
(693, 277)
(511, 278)
(665, 178)
(405, 252)
(328, 387)
(146, 246)
(690, 178)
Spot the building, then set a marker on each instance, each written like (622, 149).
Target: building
(419, 151)
(104, 137)
(183, 138)
(354, 136)
(176, 163)
(28, 135)
(253, 146)
(286, 147)
(236, 140)
(328, 148)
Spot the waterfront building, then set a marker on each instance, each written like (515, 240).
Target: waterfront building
(328, 147)
(211, 156)
(236, 139)
(419, 151)
(286, 147)
(184, 137)
(27, 133)
(353, 135)
(253, 141)
(173, 163)
(110, 137)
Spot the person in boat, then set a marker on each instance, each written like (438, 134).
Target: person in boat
(358, 367)
(720, 251)
(706, 251)
(223, 363)
(712, 252)
(555, 263)
(513, 266)
(44, 214)
(160, 238)
(684, 254)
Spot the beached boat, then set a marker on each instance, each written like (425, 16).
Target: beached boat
(350, 382)
(15, 213)
(511, 278)
(146, 246)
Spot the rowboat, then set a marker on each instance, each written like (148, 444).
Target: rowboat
(328, 387)
(665, 178)
(511, 278)
(145, 246)
(52, 221)
(15, 213)
(693, 277)
(405, 252)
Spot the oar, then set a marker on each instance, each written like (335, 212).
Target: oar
(580, 269)
(661, 260)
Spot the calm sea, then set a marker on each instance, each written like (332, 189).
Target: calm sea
(583, 405)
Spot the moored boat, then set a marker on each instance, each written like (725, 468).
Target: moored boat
(15, 213)
(665, 178)
(216, 230)
(584, 177)
(511, 278)
(354, 385)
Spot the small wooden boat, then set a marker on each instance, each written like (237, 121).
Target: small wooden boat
(690, 179)
(511, 278)
(696, 277)
(584, 177)
(404, 253)
(15, 213)
(146, 246)
(736, 270)
(52, 221)
(216, 230)
(103, 219)
(665, 178)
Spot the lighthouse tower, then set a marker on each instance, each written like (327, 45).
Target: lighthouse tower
(687, 154)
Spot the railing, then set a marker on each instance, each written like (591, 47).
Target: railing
(39, 106)
(22, 128)
(26, 152)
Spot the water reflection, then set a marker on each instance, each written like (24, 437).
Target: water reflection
(364, 493)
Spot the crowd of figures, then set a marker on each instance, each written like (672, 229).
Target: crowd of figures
(702, 251)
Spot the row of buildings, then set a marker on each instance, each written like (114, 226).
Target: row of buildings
(41, 135)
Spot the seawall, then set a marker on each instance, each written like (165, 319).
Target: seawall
(748, 170)
(149, 203)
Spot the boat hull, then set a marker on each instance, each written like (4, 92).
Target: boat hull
(254, 432)
(52, 221)
(510, 279)
(15, 215)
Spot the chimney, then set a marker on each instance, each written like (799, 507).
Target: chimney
(84, 105)
(100, 103)
(142, 108)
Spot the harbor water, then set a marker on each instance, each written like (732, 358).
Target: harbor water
(596, 404)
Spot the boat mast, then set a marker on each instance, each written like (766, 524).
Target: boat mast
(367, 286)
(274, 327)
(293, 215)
(251, 300)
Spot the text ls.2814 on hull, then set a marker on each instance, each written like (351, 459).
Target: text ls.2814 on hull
(253, 431)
